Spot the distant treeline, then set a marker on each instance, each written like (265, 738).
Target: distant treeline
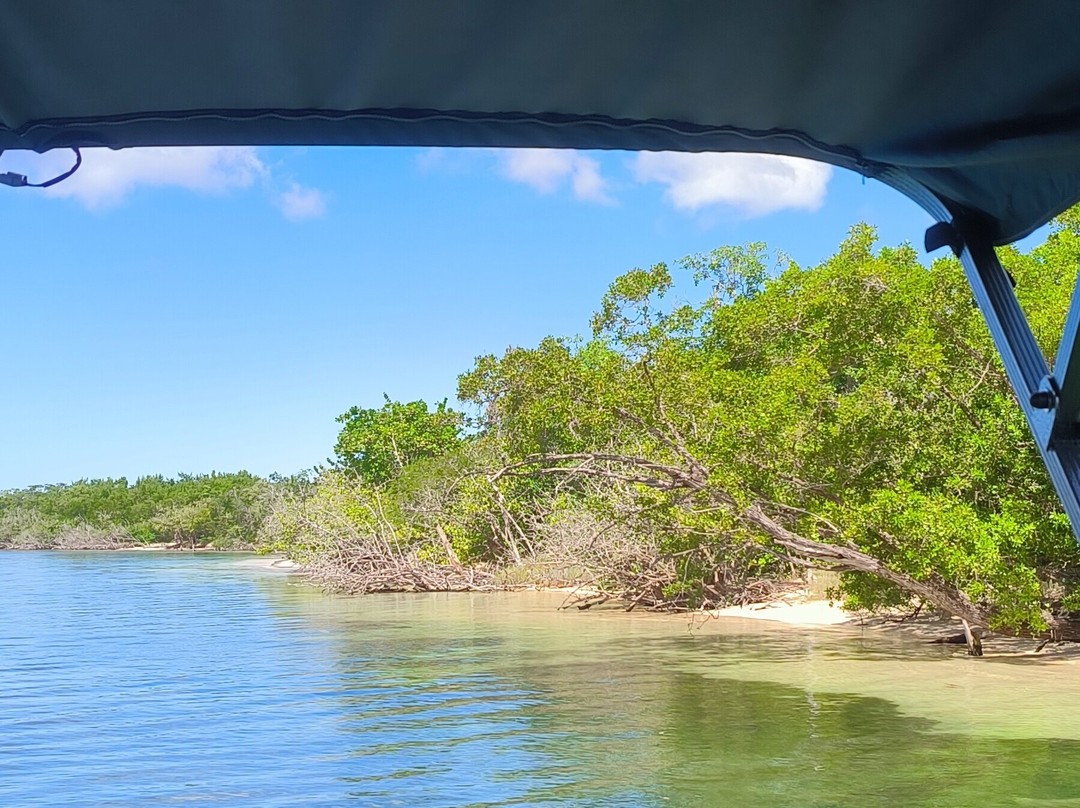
(222, 510)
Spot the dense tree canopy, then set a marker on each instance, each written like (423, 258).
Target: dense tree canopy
(377, 444)
(853, 415)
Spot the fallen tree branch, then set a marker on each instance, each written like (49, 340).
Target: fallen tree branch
(848, 559)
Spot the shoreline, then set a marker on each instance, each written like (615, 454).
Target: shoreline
(802, 612)
(155, 547)
(793, 610)
(929, 629)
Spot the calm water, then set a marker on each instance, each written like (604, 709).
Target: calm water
(147, 679)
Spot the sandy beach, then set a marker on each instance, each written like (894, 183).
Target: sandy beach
(808, 612)
(805, 609)
(794, 613)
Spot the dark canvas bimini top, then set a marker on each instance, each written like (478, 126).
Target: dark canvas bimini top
(975, 102)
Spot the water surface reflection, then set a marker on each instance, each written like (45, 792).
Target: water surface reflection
(137, 680)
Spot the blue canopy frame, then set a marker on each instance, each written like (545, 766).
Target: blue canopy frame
(1049, 399)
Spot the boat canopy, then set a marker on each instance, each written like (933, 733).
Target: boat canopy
(970, 107)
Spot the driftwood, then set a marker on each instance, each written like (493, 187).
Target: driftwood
(971, 636)
(382, 573)
(71, 537)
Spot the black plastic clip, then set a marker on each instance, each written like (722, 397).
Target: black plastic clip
(943, 234)
(1046, 397)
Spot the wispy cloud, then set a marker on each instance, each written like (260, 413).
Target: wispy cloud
(751, 184)
(448, 160)
(547, 170)
(107, 177)
(754, 184)
(299, 203)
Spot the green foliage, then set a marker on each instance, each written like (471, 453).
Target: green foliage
(189, 523)
(377, 444)
(225, 509)
(865, 391)
(541, 400)
(860, 402)
(734, 272)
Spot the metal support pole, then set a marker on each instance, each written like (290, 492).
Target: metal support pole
(1049, 407)
(1067, 370)
(1051, 403)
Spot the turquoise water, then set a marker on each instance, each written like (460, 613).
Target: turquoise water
(157, 679)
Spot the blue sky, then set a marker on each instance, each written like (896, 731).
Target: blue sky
(182, 310)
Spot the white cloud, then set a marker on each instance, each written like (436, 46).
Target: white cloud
(299, 203)
(455, 160)
(431, 159)
(547, 169)
(756, 184)
(587, 182)
(107, 177)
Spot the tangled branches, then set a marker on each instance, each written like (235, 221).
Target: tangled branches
(625, 560)
(365, 574)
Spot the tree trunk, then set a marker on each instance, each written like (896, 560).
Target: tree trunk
(447, 546)
(936, 591)
(848, 559)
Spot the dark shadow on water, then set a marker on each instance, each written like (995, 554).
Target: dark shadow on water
(498, 720)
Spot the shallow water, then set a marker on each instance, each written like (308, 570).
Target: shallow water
(152, 679)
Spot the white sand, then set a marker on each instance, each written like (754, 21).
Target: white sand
(272, 561)
(806, 613)
(801, 611)
(284, 564)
